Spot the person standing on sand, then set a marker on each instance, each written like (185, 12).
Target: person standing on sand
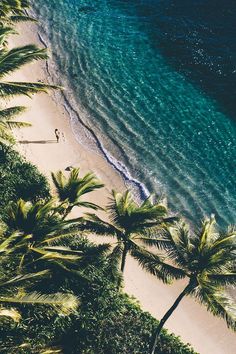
(57, 133)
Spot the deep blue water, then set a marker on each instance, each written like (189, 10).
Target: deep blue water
(155, 80)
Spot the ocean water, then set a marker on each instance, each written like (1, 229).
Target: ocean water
(155, 80)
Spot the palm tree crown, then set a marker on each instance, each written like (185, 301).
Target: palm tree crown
(133, 226)
(14, 282)
(70, 189)
(43, 234)
(207, 259)
(40, 219)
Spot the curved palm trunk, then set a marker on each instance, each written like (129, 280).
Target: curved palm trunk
(123, 261)
(169, 313)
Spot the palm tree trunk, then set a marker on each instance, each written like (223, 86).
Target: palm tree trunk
(169, 313)
(124, 254)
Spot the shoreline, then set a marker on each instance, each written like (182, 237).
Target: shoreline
(137, 187)
(191, 321)
(50, 101)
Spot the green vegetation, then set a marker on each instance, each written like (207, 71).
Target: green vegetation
(12, 11)
(19, 179)
(111, 322)
(134, 226)
(12, 60)
(58, 291)
(70, 189)
(207, 259)
(108, 321)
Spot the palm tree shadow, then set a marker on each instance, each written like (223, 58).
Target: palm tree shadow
(37, 141)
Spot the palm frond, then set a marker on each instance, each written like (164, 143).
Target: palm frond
(21, 18)
(51, 351)
(8, 89)
(180, 246)
(65, 303)
(11, 112)
(58, 237)
(6, 137)
(156, 265)
(62, 249)
(4, 245)
(86, 184)
(97, 250)
(52, 255)
(59, 181)
(4, 33)
(13, 59)
(9, 124)
(208, 234)
(93, 224)
(225, 241)
(23, 277)
(158, 242)
(88, 205)
(220, 304)
(40, 219)
(223, 279)
(126, 214)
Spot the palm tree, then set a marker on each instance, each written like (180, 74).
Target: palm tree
(11, 60)
(7, 122)
(70, 189)
(13, 283)
(207, 259)
(40, 219)
(132, 225)
(44, 233)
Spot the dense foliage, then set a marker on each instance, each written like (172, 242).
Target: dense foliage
(19, 179)
(108, 322)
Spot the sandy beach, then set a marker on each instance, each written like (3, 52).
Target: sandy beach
(37, 143)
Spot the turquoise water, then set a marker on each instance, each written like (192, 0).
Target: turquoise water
(156, 116)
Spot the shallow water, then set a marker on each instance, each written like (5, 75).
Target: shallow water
(155, 80)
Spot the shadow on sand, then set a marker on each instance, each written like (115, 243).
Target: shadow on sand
(37, 141)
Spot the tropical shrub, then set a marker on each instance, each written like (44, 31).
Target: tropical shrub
(20, 179)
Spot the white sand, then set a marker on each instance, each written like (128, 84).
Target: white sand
(191, 321)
